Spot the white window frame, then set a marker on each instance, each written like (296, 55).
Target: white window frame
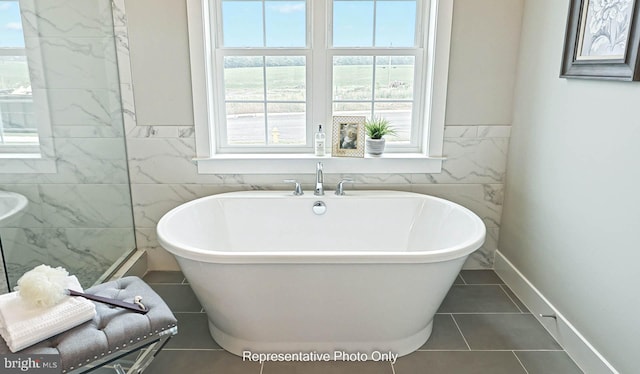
(13, 149)
(438, 14)
(36, 158)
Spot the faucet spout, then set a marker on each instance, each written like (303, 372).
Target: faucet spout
(319, 180)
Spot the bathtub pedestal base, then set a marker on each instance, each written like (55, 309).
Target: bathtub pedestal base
(367, 350)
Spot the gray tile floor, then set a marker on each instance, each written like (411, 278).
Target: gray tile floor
(481, 328)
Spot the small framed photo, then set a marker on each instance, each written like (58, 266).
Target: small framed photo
(348, 136)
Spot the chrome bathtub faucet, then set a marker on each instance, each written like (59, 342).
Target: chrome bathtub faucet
(297, 189)
(319, 180)
(340, 186)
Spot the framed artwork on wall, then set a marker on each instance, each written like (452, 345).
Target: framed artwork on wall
(348, 136)
(602, 40)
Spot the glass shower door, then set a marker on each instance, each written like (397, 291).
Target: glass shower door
(64, 140)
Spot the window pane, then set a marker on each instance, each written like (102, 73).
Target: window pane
(286, 77)
(242, 23)
(395, 23)
(243, 78)
(352, 109)
(352, 78)
(399, 116)
(11, 25)
(286, 124)
(17, 122)
(245, 124)
(286, 23)
(394, 77)
(352, 23)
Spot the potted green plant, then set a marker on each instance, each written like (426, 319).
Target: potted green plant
(376, 128)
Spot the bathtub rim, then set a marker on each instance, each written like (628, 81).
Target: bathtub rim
(462, 249)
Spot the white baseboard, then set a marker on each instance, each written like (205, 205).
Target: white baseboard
(576, 346)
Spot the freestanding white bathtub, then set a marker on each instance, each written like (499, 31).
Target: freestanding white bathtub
(366, 277)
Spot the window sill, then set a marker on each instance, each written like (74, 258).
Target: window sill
(305, 164)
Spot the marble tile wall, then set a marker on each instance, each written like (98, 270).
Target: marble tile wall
(163, 177)
(79, 217)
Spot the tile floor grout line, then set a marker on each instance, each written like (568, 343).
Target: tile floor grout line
(510, 298)
(393, 370)
(261, 367)
(442, 350)
(490, 350)
(461, 277)
(521, 364)
(501, 313)
(193, 349)
(460, 331)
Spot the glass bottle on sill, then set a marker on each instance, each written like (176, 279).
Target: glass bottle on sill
(319, 142)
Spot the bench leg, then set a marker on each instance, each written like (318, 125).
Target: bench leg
(150, 352)
(118, 368)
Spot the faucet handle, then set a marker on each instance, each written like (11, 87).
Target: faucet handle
(340, 187)
(298, 189)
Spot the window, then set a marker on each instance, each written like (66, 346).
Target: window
(26, 144)
(265, 73)
(18, 130)
(262, 48)
(374, 50)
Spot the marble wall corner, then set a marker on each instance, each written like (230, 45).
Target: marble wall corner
(485, 200)
(499, 131)
(158, 258)
(470, 160)
(461, 131)
(477, 131)
(483, 257)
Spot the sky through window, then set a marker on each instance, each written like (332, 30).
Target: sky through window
(10, 25)
(389, 23)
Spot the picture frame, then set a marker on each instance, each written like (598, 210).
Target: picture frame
(601, 47)
(348, 136)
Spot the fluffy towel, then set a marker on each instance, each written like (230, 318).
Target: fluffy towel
(22, 324)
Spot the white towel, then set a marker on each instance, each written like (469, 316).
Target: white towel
(22, 324)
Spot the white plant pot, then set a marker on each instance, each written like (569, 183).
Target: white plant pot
(375, 146)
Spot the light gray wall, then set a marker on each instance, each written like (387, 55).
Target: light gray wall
(161, 145)
(571, 214)
(159, 45)
(483, 60)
